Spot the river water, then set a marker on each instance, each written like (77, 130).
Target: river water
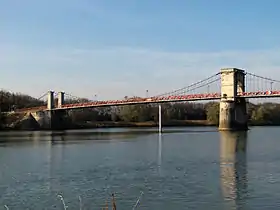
(183, 168)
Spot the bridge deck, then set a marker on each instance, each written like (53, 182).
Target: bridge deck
(164, 99)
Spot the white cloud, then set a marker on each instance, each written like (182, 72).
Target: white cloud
(116, 72)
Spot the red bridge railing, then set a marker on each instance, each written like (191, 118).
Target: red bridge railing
(36, 108)
(260, 93)
(145, 100)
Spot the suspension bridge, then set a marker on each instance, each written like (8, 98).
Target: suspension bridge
(257, 87)
(231, 86)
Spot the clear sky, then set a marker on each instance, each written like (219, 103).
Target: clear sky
(115, 48)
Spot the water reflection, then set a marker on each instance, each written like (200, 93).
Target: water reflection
(76, 136)
(233, 166)
(56, 156)
(159, 152)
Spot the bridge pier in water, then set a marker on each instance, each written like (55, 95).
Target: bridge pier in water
(233, 110)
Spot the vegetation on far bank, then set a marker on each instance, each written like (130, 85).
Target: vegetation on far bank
(147, 115)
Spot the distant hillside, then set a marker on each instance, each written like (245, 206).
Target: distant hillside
(10, 101)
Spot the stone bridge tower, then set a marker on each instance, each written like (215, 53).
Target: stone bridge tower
(53, 118)
(233, 110)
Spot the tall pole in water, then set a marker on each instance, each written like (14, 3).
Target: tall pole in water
(159, 148)
(159, 119)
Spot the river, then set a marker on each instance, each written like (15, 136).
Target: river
(183, 168)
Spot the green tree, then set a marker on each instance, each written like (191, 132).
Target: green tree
(213, 110)
(135, 113)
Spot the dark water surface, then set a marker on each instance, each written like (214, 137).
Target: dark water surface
(184, 168)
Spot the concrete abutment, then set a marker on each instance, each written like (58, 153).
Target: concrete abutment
(52, 119)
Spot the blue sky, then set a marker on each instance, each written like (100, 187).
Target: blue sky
(115, 48)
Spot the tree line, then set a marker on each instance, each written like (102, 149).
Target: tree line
(265, 113)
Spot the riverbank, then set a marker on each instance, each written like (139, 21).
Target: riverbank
(174, 123)
(109, 124)
(23, 122)
(150, 124)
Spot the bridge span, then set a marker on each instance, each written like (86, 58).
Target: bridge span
(156, 100)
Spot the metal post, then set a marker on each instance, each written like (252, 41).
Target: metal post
(159, 119)
(271, 83)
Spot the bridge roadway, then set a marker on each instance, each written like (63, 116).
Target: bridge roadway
(151, 100)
